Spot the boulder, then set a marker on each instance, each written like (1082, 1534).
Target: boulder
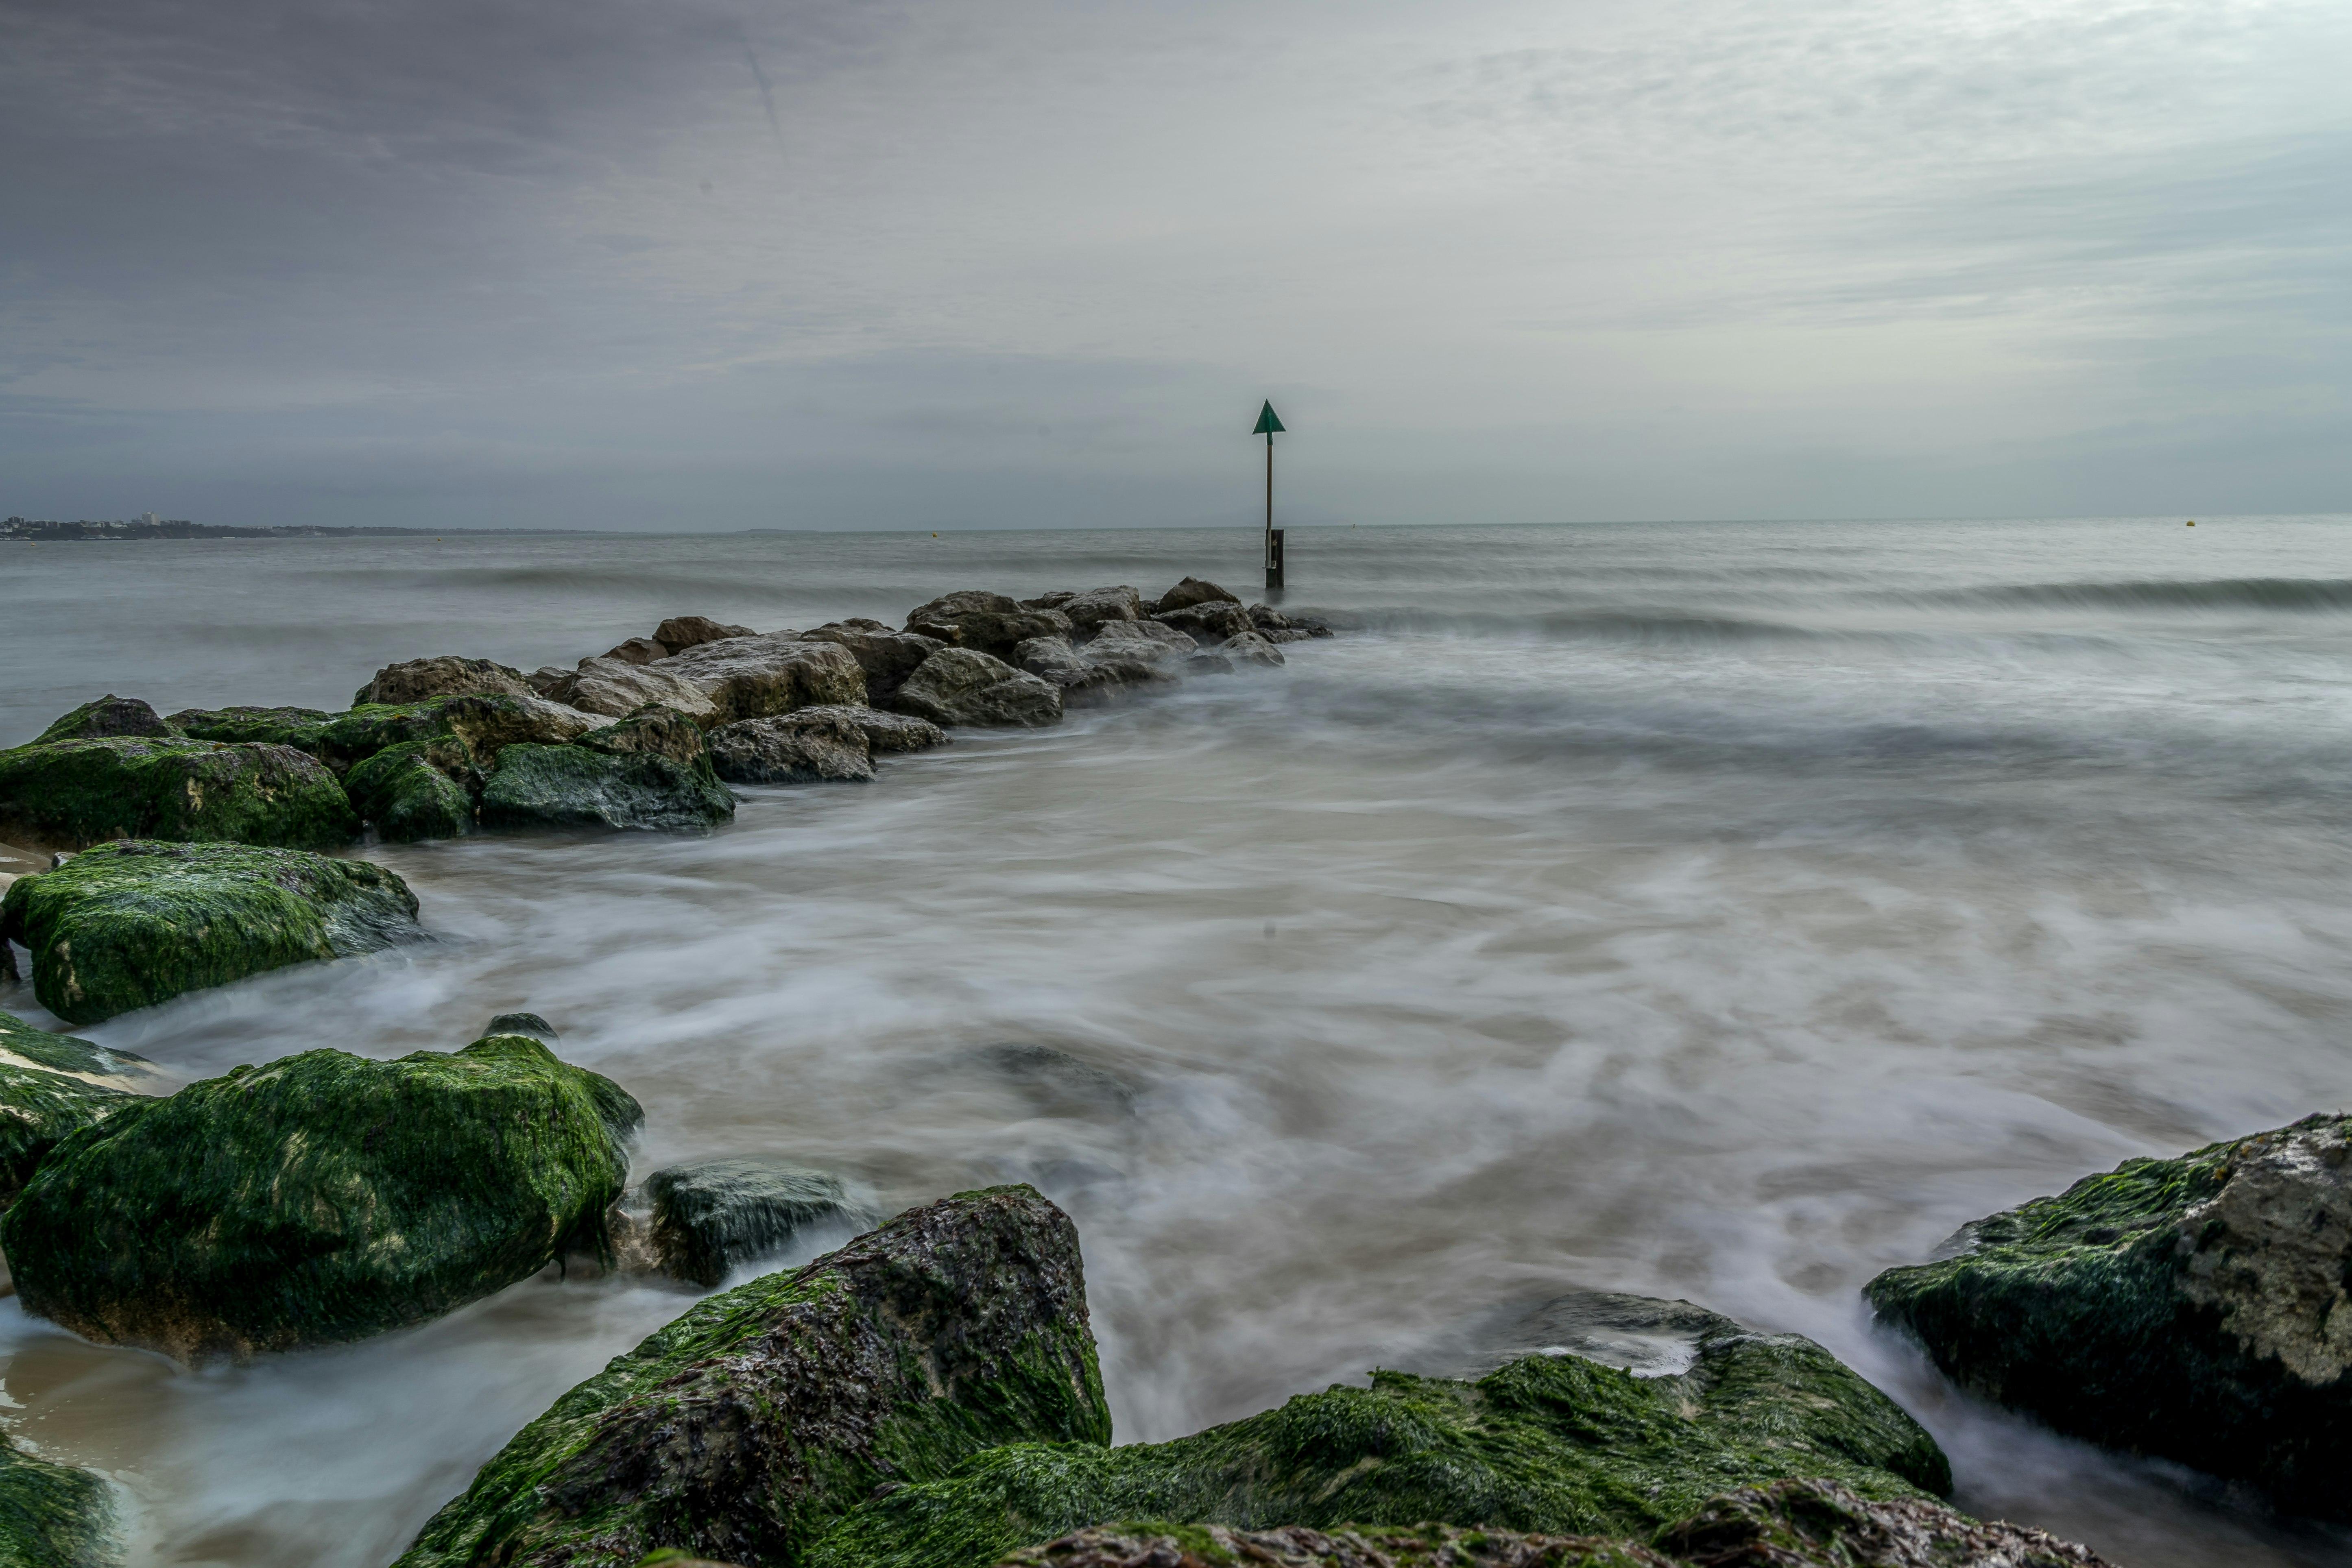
(467, 732)
(578, 786)
(650, 730)
(133, 923)
(1276, 627)
(1161, 1545)
(546, 678)
(889, 731)
(405, 794)
(295, 727)
(530, 1024)
(635, 650)
(1212, 621)
(53, 1515)
(985, 623)
(757, 677)
(959, 686)
(1099, 672)
(682, 632)
(1168, 636)
(69, 794)
(38, 1108)
(1047, 656)
(109, 716)
(1250, 648)
(1555, 1443)
(1052, 601)
(746, 1429)
(1193, 591)
(886, 658)
(320, 1199)
(714, 1217)
(615, 688)
(447, 676)
(1822, 1525)
(1092, 609)
(812, 745)
(1208, 663)
(22, 1045)
(2193, 1309)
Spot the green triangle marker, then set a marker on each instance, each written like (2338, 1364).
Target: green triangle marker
(1268, 422)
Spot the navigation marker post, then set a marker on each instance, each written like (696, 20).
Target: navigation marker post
(1268, 422)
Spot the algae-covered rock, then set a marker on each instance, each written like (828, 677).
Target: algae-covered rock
(21, 1045)
(53, 1515)
(38, 1108)
(405, 796)
(575, 786)
(447, 676)
(1554, 1443)
(752, 678)
(108, 716)
(713, 1217)
(2193, 1309)
(295, 727)
(69, 793)
(319, 1199)
(959, 686)
(131, 924)
(1820, 1524)
(744, 1429)
(652, 730)
(1158, 1545)
(466, 731)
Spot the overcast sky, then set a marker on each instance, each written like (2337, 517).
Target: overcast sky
(714, 264)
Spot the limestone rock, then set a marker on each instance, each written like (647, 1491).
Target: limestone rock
(615, 688)
(888, 731)
(69, 793)
(759, 676)
(1250, 648)
(110, 715)
(746, 1429)
(1276, 627)
(807, 746)
(1210, 621)
(1092, 609)
(129, 924)
(577, 786)
(1050, 601)
(959, 686)
(1103, 670)
(650, 730)
(1107, 633)
(447, 676)
(321, 1198)
(886, 657)
(713, 1217)
(985, 623)
(682, 632)
(1193, 591)
(2193, 1309)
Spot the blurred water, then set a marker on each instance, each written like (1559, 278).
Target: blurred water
(1725, 911)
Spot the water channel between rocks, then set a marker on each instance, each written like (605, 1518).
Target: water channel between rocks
(1724, 912)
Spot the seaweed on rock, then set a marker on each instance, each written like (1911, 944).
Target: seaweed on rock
(319, 1199)
(81, 792)
(405, 796)
(574, 787)
(38, 1109)
(53, 1515)
(1162, 1545)
(129, 924)
(67, 1054)
(748, 1427)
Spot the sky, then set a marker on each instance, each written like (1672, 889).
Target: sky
(703, 265)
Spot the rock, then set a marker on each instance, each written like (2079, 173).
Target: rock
(1208, 663)
(546, 678)
(296, 727)
(1096, 605)
(985, 623)
(757, 677)
(319, 1199)
(1276, 627)
(651, 731)
(443, 676)
(38, 1108)
(1050, 601)
(1804, 1523)
(1042, 657)
(1193, 591)
(1159, 1545)
(886, 658)
(811, 745)
(131, 924)
(405, 796)
(744, 1429)
(682, 632)
(1101, 671)
(959, 686)
(108, 716)
(1250, 648)
(480, 727)
(1550, 1443)
(1110, 632)
(635, 650)
(76, 792)
(615, 688)
(2192, 1308)
(1211, 621)
(889, 731)
(578, 786)
(21, 1045)
(530, 1024)
(53, 1515)
(713, 1217)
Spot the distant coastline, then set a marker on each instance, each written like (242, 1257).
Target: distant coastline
(32, 531)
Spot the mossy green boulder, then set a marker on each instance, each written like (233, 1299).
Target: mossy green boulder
(108, 716)
(131, 924)
(651, 771)
(52, 1515)
(2193, 1309)
(405, 794)
(321, 1198)
(21, 1045)
(38, 1109)
(69, 794)
(1554, 1443)
(746, 1429)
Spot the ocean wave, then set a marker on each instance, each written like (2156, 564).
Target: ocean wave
(2298, 594)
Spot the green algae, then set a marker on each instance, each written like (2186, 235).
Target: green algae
(110, 715)
(405, 794)
(38, 1109)
(575, 786)
(83, 792)
(1161, 1545)
(319, 1199)
(2191, 1307)
(295, 727)
(129, 924)
(1556, 1445)
(745, 1429)
(53, 1515)
(69, 1054)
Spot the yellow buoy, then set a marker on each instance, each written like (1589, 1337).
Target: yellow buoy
(2192, 522)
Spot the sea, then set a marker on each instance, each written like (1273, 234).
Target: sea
(1717, 910)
